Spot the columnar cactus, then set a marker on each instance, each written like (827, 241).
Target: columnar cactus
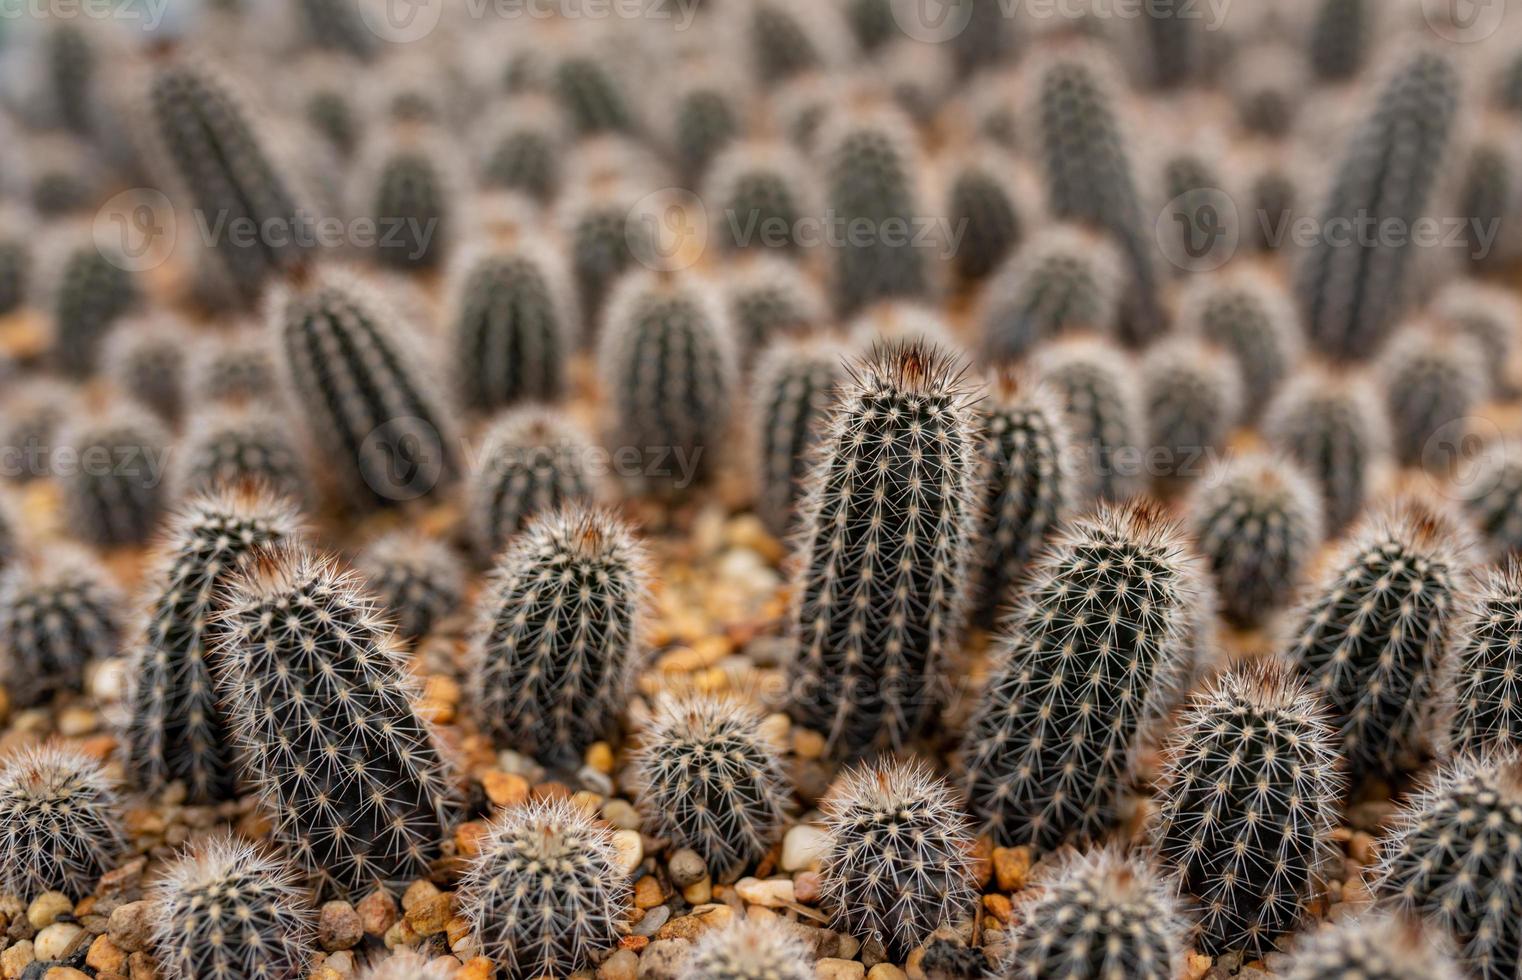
(1432, 381)
(229, 448)
(1488, 315)
(1494, 500)
(322, 705)
(1483, 675)
(1062, 279)
(145, 359)
(589, 95)
(708, 116)
(60, 822)
(1352, 293)
(1340, 38)
(1099, 914)
(795, 384)
(1488, 197)
(988, 202)
(545, 895)
(1334, 426)
(598, 232)
(759, 195)
(15, 273)
(514, 328)
(1375, 630)
(239, 368)
(558, 636)
(1251, 795)
(787, 38)
(1257, 523)
(57, 614)
(885, 549)
(769, 298)
(115, 495)
(92, 293)
(751, 948)
(1086, 667)
(367, 403)
(35, 410)
(1251, 317)
(524, 154)
(669, 368)
(1452, 858)
(898, 864)
(225, 908)
(410, 198)
(72, 70)
(1097, 386)
(532, 461)
(1370, 946)
(178, 728)
(338, 26)
(1192, 393)
(418, 580)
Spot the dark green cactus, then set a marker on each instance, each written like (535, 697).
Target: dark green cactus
(759, 195)
(1432, 381)
(93, 292)
(1341, 38)
(514, 328)
(228, 447)
(58, 614)
(1063, 279)
(413, 207)
(1335, 427)
(532, 461)
(795, 384)
(115, 496)
(1192, 395)
(524, 154)
(1252, 318)
(990, 207)
(1099, 390)
(769, 299)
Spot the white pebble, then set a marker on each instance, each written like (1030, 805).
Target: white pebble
(630, 850)
(804, 847)
(771, 893)
(54, 941)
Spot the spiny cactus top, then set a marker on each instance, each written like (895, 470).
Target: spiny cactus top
(750, 948)
(545, 894)
(237, 368)
(885, 548)
(1454, 857)
(93, 290)
(1489, 315)
(769, 298)
(323, 706)
(1375, 630)
(1483, 674)
(1251, 794)
(759, 192)
(1432, 381)
(418, 579)
(1087, 665)
(559, 633)
(1251, 316)
(60, 823)
(898, 863)
(1192, 392)
(146, 361)
(1370, 946)
(233, 447)
(404, 964)
(1101, 396)
(1063, 278)
(1340, 36)
(178, 729)
(532, 460)
(58, 612)
(115, 496)
(1336, 428)
(795, 384)
(226, 909)
(710, 780)
(1101, 916)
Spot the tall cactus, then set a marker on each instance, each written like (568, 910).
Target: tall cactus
(1192, 392)
(411, 198)
(1252, 318)
(1063, 279)
(531, 462)
(1482, 690)
(514, 328)
(795, 385)
(989, 205)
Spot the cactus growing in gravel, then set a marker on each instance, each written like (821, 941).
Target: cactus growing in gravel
(545, 895)
(885, 549)
(993, 211)
(225, 908)
(1252, 792)
(1336, 429)
(1375, 630)
(1432, 381)
(1370, 946)
(1101, 916)
(60, 822)
(558, 634)
(92, 293)
(1192, 392)
(179, 729)
(56, 616)
(898, 862)
(1051, 741)
(1100, 396)
(418, 580)
(1063, 279)
(794, 386)
(603, 244)
(1340, 38)
(532, 461)
(1257, 523)
(1252, 318)
(759, 194)
(15, 273)
(710, 779)
(413, 207)
(1488, 315)
(364, 397)
(707, 117)
(146, 361)
(1452, 858)
(751, 948)
(115, 496)
(1483, 675)
(769, 298)
(514, 329)
(233, 447)
(669, 368)
(1352, 293)
(325, 715)
(35, 410)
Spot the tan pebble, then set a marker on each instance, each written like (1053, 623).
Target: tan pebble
(105, 957)
(445, 690)
(377, 912)
(15, 960)
(400, 934)
(76, 721)
(429, 915)
(57, 941)
(663, 958)
(468, 837)
(635, 943)
(772, 893)
(587, 802)
(835, 969)
(629, 850)
(806, 887)
(325, 972)
(647, 893)
(140, 966)
(600, 757)
(131, 926)
(621, 814)
(338, 926)
(1361, 848)
(418, 891)
(457, 931)
(983, 861)
(1012, 865)
(622, 965)
(804, 847)
(341, 962)
(886, 971)
(999, 906)
(702, 919)
(65, 973)
(807, 744)
(504, 788)
(776, 728)
(479, 968)
(700, 892)
(47, 907)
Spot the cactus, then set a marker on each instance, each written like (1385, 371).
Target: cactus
(769, 299)
(1481, 696)
(546, 894)
(871, 173)
(325, 714)
(1508, 84)
(330, 111)
(707, 117)
(146, 361)
(603, 244)
(15, 273)
(558, 634)
(514, 329)
(751, 948)
(1451, 858)
(992, 211)
(1048, 747)
(228, 448)
(1374, 631)
(366, 401)
(228, 176)
(35, 410)
(60, 822)
(178, 728)
(898, 862)
(885, 549)
(57, 614)
(795, 384)
(93, 292)
(1370, 946)
(988, 40)
(1274, 193)
(1257, 523)
(1488, 197)
(115, 495)
(873, 23)
(1100, 396)
(532, 461)
(72, 69)
(404, 964)
(668, 365)
(1174, 45)
(1251, 795)
(786, 39)
(1334, 426)
(338, 26)
(1251, 317)
(524, 154)
(1063, 279)
(1488, 315)
(1340, 38)
(590, 97)
(418, 580)
(1029, 483)
(1089, 175)
(225, 908)
(60, 175)
(759, 193)
(232, 369)
(1102, 915)
(1267, 86)
(1432, 381)
(1192, 391)
(1352, 293)
(412, 203)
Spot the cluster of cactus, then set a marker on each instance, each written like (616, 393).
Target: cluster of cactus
(418, 580)
(57, 614)
(1481, 694)
(94, 290)
(1335, 428)
(1102, 401)
(115, 496)
(230, 448)
(1192, 397)
(1252, 318)
(513, 330)
(1062, 279)
(759, 193)
(794, 386)
(145, 359)
(60, 822)
(1431, 381)
(751, 948)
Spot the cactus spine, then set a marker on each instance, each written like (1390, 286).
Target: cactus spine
(1063, 279)
(1482, 692)
(751, 948)
(60, 822)
(56, 615)
(1370, 946)
(418, 580)
(795, 384)
(514, 329)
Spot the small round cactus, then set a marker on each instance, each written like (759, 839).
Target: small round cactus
(1483, 674)
(92, 292)
(233, 369)
(404, 964)
(410, 198)
(231, 447)
(590, 95)
(36, 409)
(545, 895)
(898, 864)
(1097, 386)
(1334, 426)
(710, 779)
(337, 26)
(1063, 279)
(524, 153)
(795, 383)
(1370, 946)
(114, 496)
(418, 580)
(1192, 393)
(768, 299)
(57, 614)
(1267, 86)
(1251, 317)
(1340, 38)
(225, 908)
(532, 461)
(751, 948)
(759, 193)
(60, 822)
(988, 200)
(787, 38)
(1488, 315)
(145, 359)
(708, 115)
(1432, 381)
(602, 242)
(1494, 500)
